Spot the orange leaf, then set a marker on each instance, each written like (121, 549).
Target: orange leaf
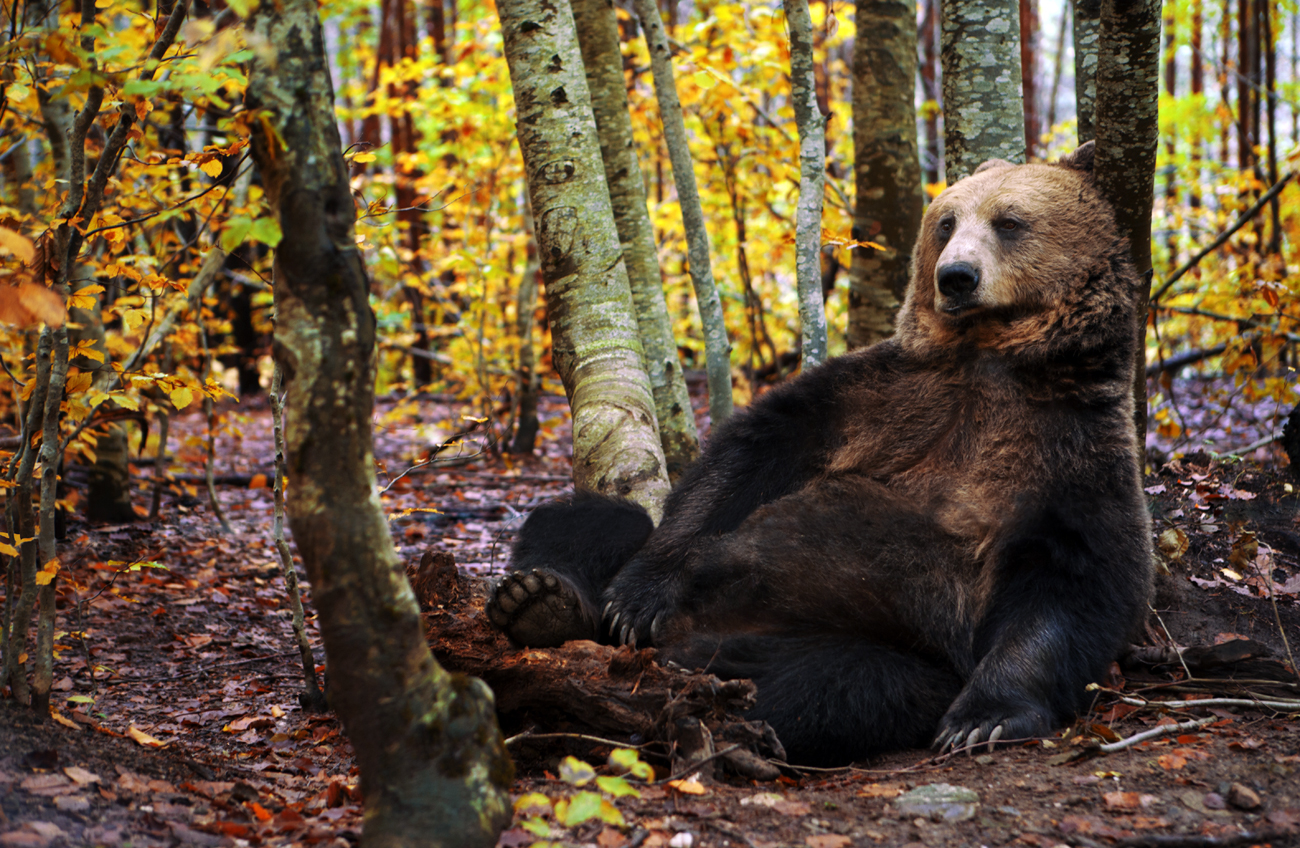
(690, 786)
(258, 482)
(19, 245)
(262, 813)
(29, 303)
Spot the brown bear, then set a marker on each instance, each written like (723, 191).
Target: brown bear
(939, 539)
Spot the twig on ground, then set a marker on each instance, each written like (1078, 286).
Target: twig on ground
(1267, 440)
(528, 734)
(695, 766)
(1280, 704)
(1162, 730)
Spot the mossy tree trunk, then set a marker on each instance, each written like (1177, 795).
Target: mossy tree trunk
(812, 184)
(983, 114)
(595, 340)
(1087, 35)
(433, 768)
(598, 39)
(886, 166)
(1128, 94)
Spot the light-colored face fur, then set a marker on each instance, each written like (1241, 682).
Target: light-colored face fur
(1003, 253)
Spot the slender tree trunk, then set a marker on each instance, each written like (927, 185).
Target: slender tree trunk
(1270, 112)
(599, 39)
(983, 112)
(1087, 37)
(1225, 42)
(717, 348)
(889, 198)
(812, 182)
(1171, 137)
(1128, 94)
(530, 382)
(932, 107)
(1058, 65)
(595, 341)
(1196, 76)
(1028, 73)
(433, 767)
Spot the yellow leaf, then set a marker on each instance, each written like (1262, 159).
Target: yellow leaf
(182, 397)
(45, 576)
(212, 168)
(144, 738)
(18, 245)
(126, 401)
(363, 157)
(143, 108)
(8, 550)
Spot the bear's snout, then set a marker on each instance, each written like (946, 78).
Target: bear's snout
(957, 283)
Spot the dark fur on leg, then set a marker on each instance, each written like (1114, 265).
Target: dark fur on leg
(567, 552)
(832, 701)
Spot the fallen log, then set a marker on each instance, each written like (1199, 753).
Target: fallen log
(583, 688)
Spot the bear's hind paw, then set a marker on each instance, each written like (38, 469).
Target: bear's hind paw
(539, 609)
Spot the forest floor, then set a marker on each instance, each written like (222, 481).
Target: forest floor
(178, 719)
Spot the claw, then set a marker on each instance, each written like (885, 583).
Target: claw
(654, 627)
(627, 629)
(613, 624)
(995, 736)
(972, 739)
(608, 606)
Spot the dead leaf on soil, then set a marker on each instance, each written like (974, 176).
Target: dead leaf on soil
(689, 786)
(827, 840)
(144, 738)
(880, 790)
(80, 775)
(1128, 800)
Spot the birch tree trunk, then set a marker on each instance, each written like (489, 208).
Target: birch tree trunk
(812, 184)
(433, 767)
(1087, 38)
(599, 40)
(595, 340)
(983, 113)
(717, 348)
(886, 165)
(1128, 93)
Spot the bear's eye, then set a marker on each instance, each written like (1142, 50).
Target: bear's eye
(945, 226)
(1008, 225)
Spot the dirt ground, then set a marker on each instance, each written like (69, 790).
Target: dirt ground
(179, 723)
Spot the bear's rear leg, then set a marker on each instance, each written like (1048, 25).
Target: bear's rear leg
(541, 609)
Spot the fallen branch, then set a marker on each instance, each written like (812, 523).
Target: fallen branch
(1162, 730)
(1285, 704)
(1173, 363)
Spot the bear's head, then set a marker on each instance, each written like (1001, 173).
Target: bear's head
(1017, 258)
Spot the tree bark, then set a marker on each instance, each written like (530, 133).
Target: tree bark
(596, 346)
(599, 40)
(1028, 73)
(530, 382)
(1128, 88)
(433, 768)
(983, 114)
(717, 348)
(886, 165)
(812, 183)
(1087, 38)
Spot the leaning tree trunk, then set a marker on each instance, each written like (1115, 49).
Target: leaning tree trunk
(1087, 36)
(1128, 94)
(598, 38)
(886, 165)
(717, 348)
(595, 343)
(433, 768)
(983, 113)
(812, 183)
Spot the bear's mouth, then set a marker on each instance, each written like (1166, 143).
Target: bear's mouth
(959, 307)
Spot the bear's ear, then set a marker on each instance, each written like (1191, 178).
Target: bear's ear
(991, 164)
(1081, 159)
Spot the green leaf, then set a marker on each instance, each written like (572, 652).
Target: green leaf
(236, 232)
(536, 827)
(242, 7)
(576, 772)
(626, 759)
(533, 801)
(81, 699)
(267, 231)
(616, 786)
(145, 88)
(582, 807)
(610, 814)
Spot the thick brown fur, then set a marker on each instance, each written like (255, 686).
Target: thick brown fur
(939, 538)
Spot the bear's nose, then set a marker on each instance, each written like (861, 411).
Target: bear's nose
(958, 279)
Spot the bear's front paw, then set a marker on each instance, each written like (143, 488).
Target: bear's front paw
(965, 728)
(637, 615)
(539, 609)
